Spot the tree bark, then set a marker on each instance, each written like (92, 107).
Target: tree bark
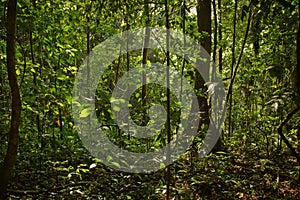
(298, 56)
(229, 96)
(168, 123)
(280, 132)
(215, 31)
(220, 38)
(144, 61)
(298, 77)
(204, 26)
(13, 139)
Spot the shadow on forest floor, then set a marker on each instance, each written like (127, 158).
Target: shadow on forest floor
(219, 176)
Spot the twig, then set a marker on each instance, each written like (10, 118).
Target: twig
(288, 117)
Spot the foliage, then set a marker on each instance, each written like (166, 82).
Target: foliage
(53, 39)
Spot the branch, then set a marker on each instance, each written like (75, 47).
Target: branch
(240, 57)
(279, 130)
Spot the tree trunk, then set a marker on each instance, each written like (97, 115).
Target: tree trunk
(13, 139)
(203, 26)
(298, 57)
(215, 32)
(168, 123)
(220, 38)
(298, 78)
(144, 63)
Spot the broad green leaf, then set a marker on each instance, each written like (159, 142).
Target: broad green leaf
(116, 164)
(84, 113)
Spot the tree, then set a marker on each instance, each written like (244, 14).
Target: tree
(13, 140)
(204, 28)
(298, 54)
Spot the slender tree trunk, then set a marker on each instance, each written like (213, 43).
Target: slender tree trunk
(119, 63)
(220, 38)
(232, 68)
(88, 50)
(127, 47)
(215, 32)
(13, 139)
(168, 123)
(37, 119)
(203, 26)
(298, 77)
(298, 55)
(240, 57)
(280, 132)
(183, 11)
(144, 61)
(255, 29)
(24, 65)
(57, 90)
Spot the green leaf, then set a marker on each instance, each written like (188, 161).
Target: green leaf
(116, 164)
(108, 158)
(84, 113)
(117, 108)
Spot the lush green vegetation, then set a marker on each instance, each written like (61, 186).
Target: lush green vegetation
(256, 48)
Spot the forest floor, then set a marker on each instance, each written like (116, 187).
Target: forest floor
(68, 174)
